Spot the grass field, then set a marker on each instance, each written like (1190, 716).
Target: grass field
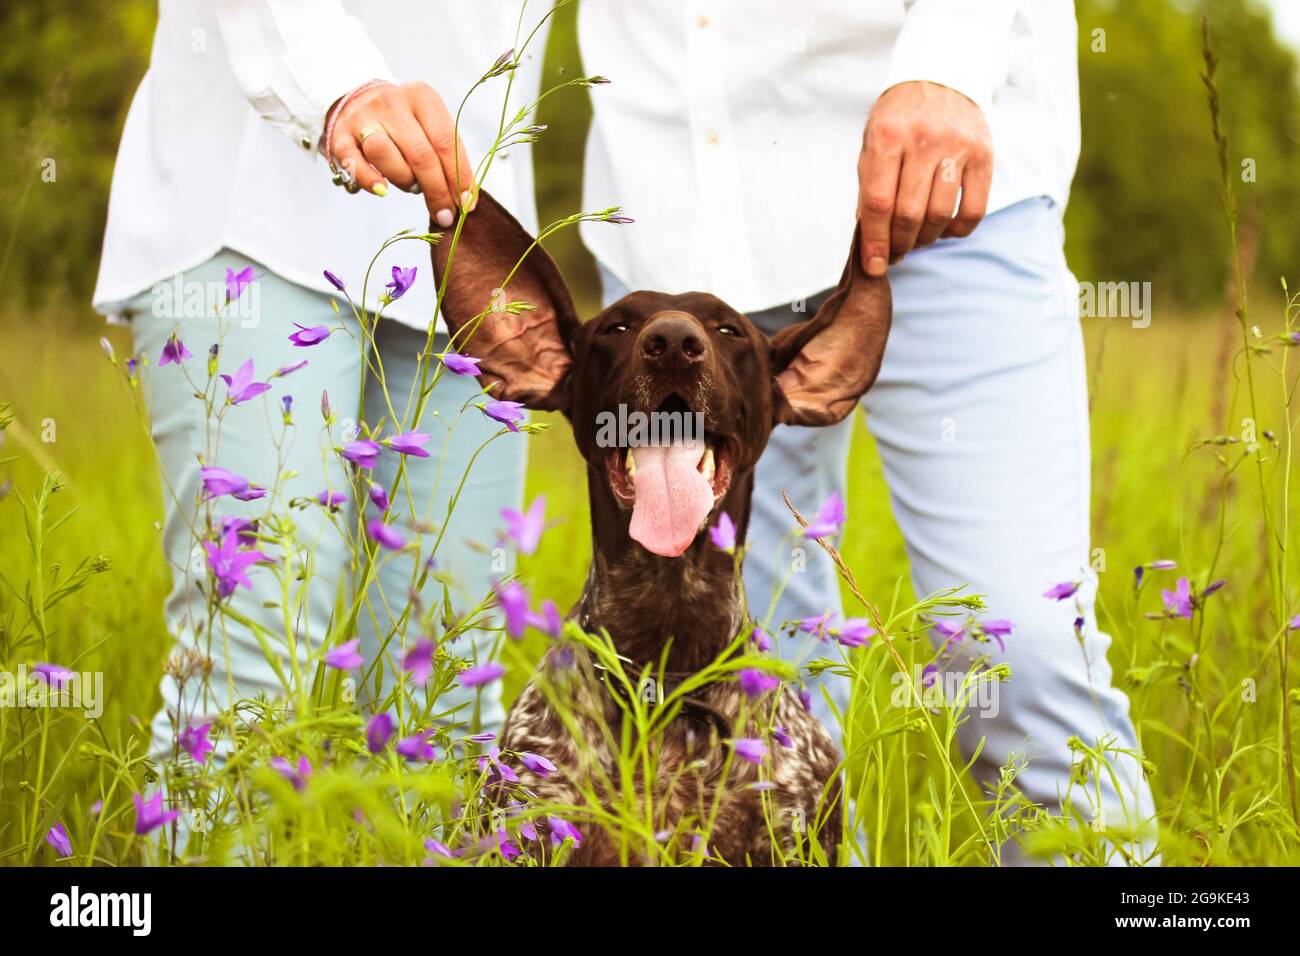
(1192, 429)
(1219, 777)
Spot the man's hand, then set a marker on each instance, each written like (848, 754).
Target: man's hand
(922, 143)
(410, 138)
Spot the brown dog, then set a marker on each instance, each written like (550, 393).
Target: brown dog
(656, 579)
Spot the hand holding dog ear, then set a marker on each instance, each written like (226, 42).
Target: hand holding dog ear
(923, 144)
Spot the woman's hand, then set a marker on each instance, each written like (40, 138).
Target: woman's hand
(404, 135)
(924, 143)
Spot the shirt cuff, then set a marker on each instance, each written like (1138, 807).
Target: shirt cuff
(960, 44)
(293, 60)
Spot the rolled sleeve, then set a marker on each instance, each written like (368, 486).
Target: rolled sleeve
(294, 58)
(960, 44)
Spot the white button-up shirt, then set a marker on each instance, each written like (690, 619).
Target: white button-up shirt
(731, 129)
(219, 148)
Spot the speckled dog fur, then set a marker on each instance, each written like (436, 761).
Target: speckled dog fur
(811, 373)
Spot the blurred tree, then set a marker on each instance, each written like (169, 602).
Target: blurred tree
(69, 69)
(1145, 204)
(1144, 207)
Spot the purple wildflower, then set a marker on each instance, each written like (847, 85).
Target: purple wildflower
(952, 632)
(345, 656)
(53, 674)
(334, 280)
(378, 730)
(929, 674)
(295, 775)
(750, 748)
(284, 370)
(218, 482)
(236, 282)
(548, 621)
(363, 451)
(240, 387)
(537, 764)
(480, 675)
(150, 815)
(1178, 602)
(997, 629)
(1059, 592)
(526, 529)
(417, 746)
(491, 762)
(307, 336)
(817, 626)
(855, 632)
(1213, 586)
(723, 534)
(509, 414)
(513, 601)
(385, 535)
(409, 443)
(434, 846)
(403, 279)
(229, 562)
(418, 661)
(195, 742)
(828, 520)
(562, 830)
(459, 364)
(760, 639)
(57, 837)
(174, 351)
(379, 496)
(782, 738)
(755, 683)
(333, 500)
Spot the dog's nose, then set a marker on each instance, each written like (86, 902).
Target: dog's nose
(673, 340)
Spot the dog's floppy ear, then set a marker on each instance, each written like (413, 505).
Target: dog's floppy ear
(524, 355)
(825, 364)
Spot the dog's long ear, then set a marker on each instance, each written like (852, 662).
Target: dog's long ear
(524, 355)
(825, 364)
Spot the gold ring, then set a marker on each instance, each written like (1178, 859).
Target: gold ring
(369, 131)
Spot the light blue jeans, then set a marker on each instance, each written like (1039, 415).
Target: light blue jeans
(260, 330)
(980, 415)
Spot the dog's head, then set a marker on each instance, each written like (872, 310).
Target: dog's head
(671, 397)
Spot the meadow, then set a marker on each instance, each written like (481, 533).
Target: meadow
(1192, 428)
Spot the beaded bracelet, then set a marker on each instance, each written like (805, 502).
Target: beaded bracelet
(342, 177)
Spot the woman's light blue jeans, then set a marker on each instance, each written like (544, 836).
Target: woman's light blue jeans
(259, 330)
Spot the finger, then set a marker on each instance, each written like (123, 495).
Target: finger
(382, 152)
(347, 156)
(943, 202)
(439, 126)
(878, 169)
(426, 167)
(914, 181)
(975, 181)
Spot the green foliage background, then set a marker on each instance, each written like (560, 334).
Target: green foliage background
(1138, 212)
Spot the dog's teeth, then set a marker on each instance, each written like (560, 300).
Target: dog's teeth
(630, 464)
(707, 464)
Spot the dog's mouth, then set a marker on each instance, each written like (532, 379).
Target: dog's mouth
(671, 487)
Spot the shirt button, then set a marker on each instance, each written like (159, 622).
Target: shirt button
(711, 139)
(305, 143)
(702, 21)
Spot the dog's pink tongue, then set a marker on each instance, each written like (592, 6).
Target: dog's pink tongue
(672, 497)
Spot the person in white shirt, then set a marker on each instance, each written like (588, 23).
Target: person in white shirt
(220, 171)
(745, 138)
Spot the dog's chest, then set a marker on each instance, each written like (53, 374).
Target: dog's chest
(766, 780)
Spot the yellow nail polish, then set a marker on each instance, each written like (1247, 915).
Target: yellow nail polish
(379, 189)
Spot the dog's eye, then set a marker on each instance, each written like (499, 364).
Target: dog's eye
(728, 330)
(614, 328)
